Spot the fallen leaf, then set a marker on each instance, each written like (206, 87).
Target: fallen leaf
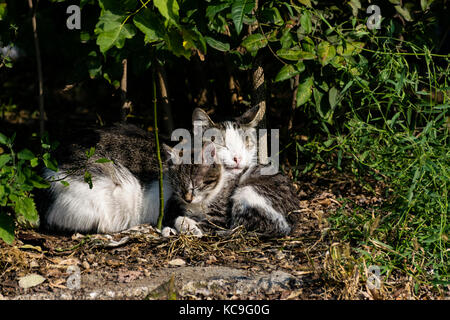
(31, 280)
(177, 262)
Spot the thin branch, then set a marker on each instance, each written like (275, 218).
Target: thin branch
(126, 105)
(165, 101)
(39, 68)
(293, 103)
(259, 94)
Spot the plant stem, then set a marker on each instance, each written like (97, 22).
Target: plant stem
(158, 153)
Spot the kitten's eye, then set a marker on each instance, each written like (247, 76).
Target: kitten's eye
(210, 181)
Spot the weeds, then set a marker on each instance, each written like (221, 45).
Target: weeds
(396, 130)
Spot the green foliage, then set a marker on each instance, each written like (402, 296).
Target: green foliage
(18, 178)
(375, 101)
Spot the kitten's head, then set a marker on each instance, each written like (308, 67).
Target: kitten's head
(195, 183)
(235, 141)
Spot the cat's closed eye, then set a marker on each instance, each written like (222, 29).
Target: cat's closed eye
(209, 181)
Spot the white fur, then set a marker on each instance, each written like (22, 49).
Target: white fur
(115, 202)
(247, 197)
(151, 200)
(234, 146)
(185, 225)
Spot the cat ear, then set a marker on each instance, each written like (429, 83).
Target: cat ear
(201, 116)
(209, 153)
(252, 117)
(172, 156)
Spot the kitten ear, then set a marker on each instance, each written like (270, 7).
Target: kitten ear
(252, 117)
(209, 153)
(200, 115)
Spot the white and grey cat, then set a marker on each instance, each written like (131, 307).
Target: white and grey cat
(125, 191)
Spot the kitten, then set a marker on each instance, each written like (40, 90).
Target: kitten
(207, 196)
(200, 193)
(125, 192)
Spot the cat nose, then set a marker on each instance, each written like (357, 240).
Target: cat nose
(237, 160)
(188, 197)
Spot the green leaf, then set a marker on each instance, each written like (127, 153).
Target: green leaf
(304, 91)
(94, 66)
(169, 9)
(3, 11)
(6, 228)
(174, 42)
(4, 159)
(39, 182)
(355, 5)
(65, 183)
(26, 207)
(333, 97)
(103, 160)
(305, 2)
(325, 52)
(111, 32)
(2, 191)
(424, 4)
(88, 179)
(49, 162)
(3, 139)
(212, 10)
(218, 45)
(305, 22)
(308, 45)
(328, 143)
(254, 42)
(239, 9)
(351, 48)
(404, 12)
(288, 71)
(295, 54)
(34, 162)
(25, 154)
(90, 152)
(272, 15)
(150, 25)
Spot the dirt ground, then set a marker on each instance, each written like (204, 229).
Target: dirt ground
(140, 264)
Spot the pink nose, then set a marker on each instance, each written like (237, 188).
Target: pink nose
(236, 159)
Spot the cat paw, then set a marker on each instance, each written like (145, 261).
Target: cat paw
(188, 226)
(168, 231)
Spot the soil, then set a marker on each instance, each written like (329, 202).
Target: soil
(141, 264)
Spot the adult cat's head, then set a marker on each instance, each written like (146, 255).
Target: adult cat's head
(235, 141)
